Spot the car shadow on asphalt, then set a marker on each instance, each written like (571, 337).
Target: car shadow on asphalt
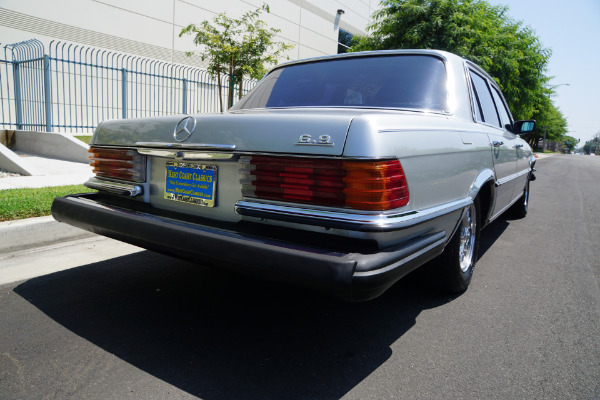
(220, 335)
(491, 233)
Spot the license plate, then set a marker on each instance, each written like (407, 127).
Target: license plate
(191, 183)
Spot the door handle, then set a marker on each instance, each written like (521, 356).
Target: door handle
(518, 146)
(497, 143)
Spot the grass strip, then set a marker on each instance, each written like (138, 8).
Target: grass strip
(84, 139)
(28, 203)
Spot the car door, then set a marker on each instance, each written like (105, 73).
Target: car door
(503, 143)
(522, 151)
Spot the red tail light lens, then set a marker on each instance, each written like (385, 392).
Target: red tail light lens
(361, 185)
(121, 164)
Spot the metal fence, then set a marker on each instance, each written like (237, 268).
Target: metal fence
(73, 88)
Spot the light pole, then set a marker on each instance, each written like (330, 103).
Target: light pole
(544, 146)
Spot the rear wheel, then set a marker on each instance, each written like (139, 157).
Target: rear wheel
(457, 262)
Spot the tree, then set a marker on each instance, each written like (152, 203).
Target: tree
(238, 47)
(592, 146)
(549, 121)
(475, 30)
(568, 144)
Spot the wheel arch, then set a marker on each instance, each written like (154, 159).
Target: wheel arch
(483, 188)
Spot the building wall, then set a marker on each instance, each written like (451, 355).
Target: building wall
(150, 28)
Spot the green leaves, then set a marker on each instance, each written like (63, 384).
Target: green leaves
(475, 30)
(239, 47)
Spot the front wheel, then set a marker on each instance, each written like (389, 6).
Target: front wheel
(457, 262)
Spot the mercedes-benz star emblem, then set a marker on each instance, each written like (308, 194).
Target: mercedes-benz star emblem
(184, 129)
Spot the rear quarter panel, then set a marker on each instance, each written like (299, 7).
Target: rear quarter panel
(441, 155)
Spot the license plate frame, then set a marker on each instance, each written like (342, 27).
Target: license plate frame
(191, 183)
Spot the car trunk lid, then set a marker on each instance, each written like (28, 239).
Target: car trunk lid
(304, 131)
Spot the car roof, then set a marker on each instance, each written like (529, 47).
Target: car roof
(438, 53)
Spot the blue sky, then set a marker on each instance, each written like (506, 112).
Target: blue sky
(571, 29)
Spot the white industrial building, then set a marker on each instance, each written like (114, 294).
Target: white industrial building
(150, 28)
(67, 65)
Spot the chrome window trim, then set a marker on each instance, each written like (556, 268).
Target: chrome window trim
(119, 188)
(348, 220)
(376, 53)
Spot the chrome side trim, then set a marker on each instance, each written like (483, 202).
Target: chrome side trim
(185, 155)
(509, 178)
(347, 220)
(122, 189)
(483, 177)
(187, 146)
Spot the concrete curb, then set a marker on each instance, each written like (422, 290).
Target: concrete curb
(35, 232)
(540, 156)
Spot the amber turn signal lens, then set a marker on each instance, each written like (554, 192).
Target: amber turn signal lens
(120, 164)
(376, 186)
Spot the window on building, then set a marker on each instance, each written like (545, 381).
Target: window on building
(344, 41)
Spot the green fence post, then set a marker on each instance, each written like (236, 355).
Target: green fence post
(47, 93)
(124, 93)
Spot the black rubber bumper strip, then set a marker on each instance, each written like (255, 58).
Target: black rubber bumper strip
(350, 276)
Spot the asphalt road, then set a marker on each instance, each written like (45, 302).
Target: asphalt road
(145, 326)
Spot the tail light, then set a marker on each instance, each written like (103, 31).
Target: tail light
(121, 164)
(360, 185)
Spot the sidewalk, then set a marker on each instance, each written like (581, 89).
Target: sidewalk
(539, 156)
(55, 173)
(35, 232)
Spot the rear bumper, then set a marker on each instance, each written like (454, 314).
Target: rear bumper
(345, 274)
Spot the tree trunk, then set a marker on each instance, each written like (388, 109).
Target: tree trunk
(231, 84)
(220, 87)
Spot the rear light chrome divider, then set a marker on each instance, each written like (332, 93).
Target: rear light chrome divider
(122, 189)
(364, 222)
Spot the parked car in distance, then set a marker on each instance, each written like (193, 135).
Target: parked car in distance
(340, 174)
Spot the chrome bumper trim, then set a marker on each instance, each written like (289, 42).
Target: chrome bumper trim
(122, 189)
(350, 221)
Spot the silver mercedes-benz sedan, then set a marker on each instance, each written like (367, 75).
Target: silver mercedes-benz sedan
(341, 174)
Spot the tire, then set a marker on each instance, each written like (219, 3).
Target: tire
(457, 262)
(520, 208)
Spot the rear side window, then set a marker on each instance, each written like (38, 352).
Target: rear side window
(502, 110)
(484, 97)
(399, 81)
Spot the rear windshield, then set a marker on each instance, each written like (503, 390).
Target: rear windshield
(400, 81)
